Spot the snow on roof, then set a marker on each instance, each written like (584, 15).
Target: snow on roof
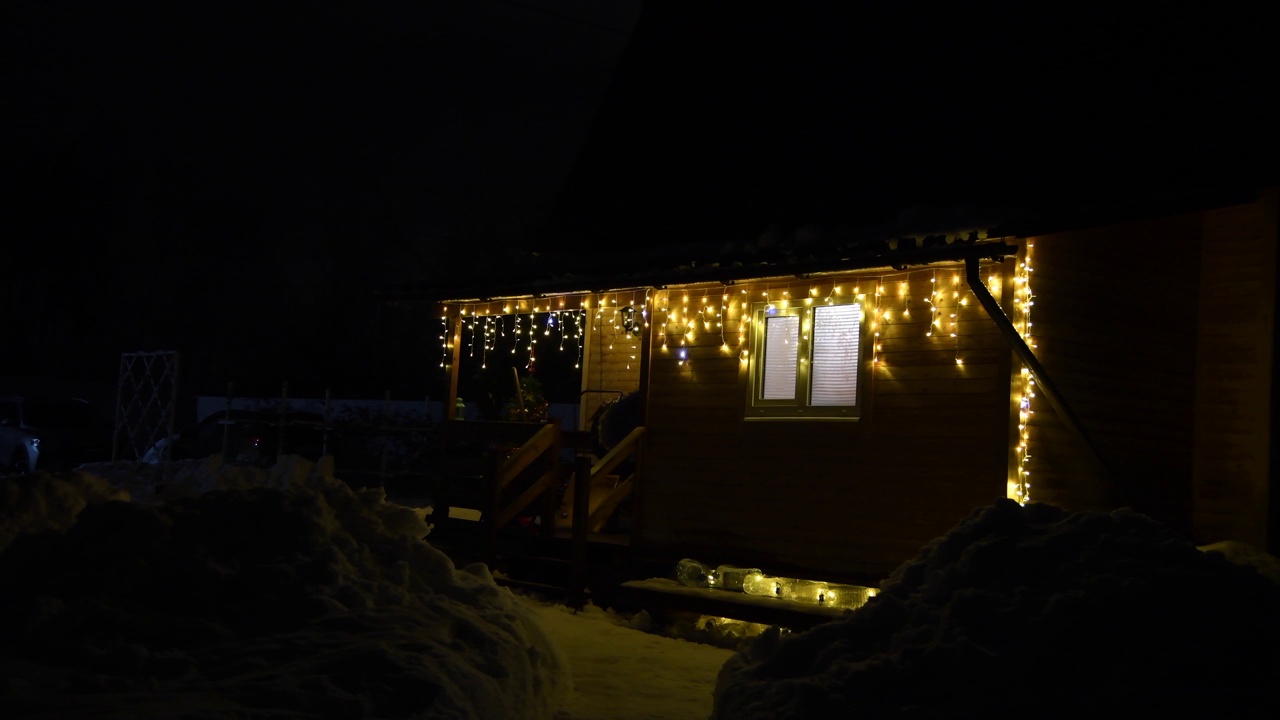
(1032, 612)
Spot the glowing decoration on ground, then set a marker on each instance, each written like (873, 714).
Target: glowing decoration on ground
(752, 581)
(1023, 299)
(730, 577)
(810, 592)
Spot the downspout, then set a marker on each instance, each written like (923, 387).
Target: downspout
(1045, 385)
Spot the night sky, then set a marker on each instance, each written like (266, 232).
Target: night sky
(737, 119)
(235, 180)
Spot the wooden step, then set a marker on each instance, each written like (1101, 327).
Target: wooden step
(607, 492)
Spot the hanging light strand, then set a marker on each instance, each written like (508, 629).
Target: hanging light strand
(1024, 298)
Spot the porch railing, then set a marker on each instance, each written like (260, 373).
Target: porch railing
(488, 480)
(592, 509)
(596, 488)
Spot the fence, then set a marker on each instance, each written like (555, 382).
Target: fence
(389, 442)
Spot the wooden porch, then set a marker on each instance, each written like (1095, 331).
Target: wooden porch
(533, 502)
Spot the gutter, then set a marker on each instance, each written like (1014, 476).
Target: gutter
(1044, 383)
(724, 274)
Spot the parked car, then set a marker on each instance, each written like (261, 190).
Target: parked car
(51, 433)
(252, 437)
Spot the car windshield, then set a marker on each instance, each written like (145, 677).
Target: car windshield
(61, 413)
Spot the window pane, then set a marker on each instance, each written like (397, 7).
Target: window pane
(834, 373)
(781, 345)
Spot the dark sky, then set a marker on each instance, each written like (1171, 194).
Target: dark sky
(234, 179)
(738, 114)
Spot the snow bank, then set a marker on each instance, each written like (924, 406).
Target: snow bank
(1035, 612)
(235, 592)
(36, 503)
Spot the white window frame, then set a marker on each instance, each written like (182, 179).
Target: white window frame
(800, 406)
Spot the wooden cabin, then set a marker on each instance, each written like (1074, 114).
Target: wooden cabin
(830, 415)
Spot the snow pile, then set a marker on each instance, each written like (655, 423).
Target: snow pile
(240, 593)
(35, 503)
(1032, 612)
(151, 483)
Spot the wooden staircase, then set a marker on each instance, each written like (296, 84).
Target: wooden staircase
(505, 496)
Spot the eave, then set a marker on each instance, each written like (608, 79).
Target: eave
(899, 253)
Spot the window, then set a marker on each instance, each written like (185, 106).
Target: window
(807, 362)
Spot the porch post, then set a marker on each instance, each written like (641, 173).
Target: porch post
(581, 511)
(455, 358)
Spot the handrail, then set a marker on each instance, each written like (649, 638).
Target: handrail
(545, 442)
(533, 492)
(618, 454)
(585, 521)
(531, 450)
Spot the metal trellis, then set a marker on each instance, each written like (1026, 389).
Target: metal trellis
(146, 402)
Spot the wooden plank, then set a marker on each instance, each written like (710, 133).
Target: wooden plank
(603, 508)
(947, 371)
(992, 354)
(977, 325)
(958, 385)
(619, 453)
(533, 492)
(547, 438)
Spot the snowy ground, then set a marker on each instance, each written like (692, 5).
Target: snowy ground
(622, 673)
(221, 592)
(247, 594)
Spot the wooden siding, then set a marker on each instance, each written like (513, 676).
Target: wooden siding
(612, 356)
(1165, 355)
(1114, 324)
(1236, 321)
(831, 498)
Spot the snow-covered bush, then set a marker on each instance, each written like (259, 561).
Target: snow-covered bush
(236, 592)
(1032, 612)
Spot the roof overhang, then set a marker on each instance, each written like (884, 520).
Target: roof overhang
(896, 254)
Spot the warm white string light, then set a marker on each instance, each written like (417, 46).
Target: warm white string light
(721, 318)
(875, 324)
(444, 337)
(1024, 298)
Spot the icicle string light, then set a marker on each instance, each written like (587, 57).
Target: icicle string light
(683, 314)
(1023, 299)
(694, 317)
(875, 325)
(444, 337)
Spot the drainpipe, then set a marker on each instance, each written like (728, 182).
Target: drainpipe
(1043, 383)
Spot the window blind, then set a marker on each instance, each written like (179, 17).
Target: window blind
(834, 370)
(781, 350)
